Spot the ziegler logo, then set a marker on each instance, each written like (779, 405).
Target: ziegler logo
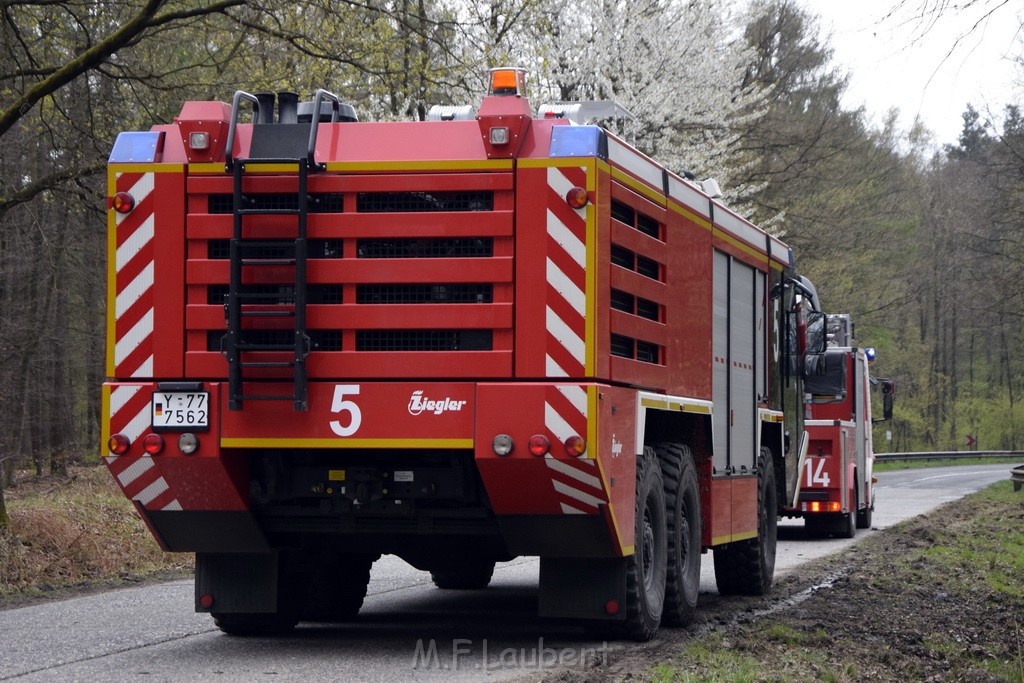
(418, 404)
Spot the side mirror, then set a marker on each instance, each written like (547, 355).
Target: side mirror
(888, 391)
(815, 365)
(816, 332)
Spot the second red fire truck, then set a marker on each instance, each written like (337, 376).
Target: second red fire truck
(837, 492)
(459, 340)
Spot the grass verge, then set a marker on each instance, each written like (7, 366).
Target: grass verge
(72, 532)
(935, 598)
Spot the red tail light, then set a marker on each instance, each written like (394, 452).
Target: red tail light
(153, 443)
(123, 202)
(539, 445)
(118, 444)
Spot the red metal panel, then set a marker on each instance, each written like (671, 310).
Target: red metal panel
(522, 483)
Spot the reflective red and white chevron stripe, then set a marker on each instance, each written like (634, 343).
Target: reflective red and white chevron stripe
(133, 281)
(576, 480)
(138, 477)
(566, 299)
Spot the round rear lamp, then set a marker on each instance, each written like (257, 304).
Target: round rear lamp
(502, 444)
(188, 443)
(539, 445)
(118, 444)
(575, 446)
(153, 443)
(577, 198)
(123, 202)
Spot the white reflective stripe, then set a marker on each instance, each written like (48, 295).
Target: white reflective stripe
(553, 369)
(152, 491)
(142, 187)
(577, 395)
(632, 161)
(750, 234)
(576, 494)
(570, 471)
(135, 470)
(565, 336)
(138, 425)
(128, 343)
(558, 426)
(572, 244)
(144, 370)
(561, 185)
(173, 505)
(570, 510)
(566, 288)
(688, 196)
(139, 286)
(134, 244)
(120, 396)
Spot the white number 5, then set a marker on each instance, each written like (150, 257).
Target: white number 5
(340, 405)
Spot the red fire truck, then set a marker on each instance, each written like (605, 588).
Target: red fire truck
(837, 487)
(457, 341)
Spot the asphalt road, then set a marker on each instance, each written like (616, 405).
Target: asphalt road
(408, 630)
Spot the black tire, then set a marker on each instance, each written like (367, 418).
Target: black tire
(470, 574)
(336, 591)
(748, 567)
(269, 624)
(864, 516)
(846, 525)
(684, 528)
(647, 567)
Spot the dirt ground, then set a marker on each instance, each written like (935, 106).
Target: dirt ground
(937, 598)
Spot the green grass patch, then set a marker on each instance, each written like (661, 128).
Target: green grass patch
(889, 466)
(75, 530)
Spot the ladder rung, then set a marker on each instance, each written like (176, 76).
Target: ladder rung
(263, 295)
(268, 212)
(268, 314)
(267, 364)
(287, 243)
(268, 262)
(282, 397)
(264, 347)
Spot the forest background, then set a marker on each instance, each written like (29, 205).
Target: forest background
(923, 245)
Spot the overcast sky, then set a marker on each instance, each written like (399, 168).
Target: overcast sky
(901, 62)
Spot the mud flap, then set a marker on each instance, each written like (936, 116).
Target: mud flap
(238, 583)
(581, 588)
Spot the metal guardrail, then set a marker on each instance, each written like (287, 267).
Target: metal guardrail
(949, 455)
(1017, 477)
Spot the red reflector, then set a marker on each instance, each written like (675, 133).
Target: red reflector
(577, 197)
(539, 445)
(611, 607)
(575, 446)
(206, 601)
(123, 202)
(118, 444)
(153, 443)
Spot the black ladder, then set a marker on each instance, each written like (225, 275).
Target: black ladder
(248, 255)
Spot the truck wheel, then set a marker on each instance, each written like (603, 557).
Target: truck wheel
(748, 567)
(683, 522)
(864, 517)
(335, 593)
(471, 574)
(268, 624)
(846, 525)
(646, 568)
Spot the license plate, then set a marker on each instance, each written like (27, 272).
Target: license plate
(181, 410)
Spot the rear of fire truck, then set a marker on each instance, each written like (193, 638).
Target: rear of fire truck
(837, 485)
(457, 341)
